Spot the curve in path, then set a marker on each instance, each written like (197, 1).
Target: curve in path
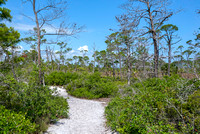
(85, 117)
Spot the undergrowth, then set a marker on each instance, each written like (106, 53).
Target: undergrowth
(35, 105)
(93, 86)
(167, 105)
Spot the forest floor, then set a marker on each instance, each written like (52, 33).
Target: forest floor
(85, 117)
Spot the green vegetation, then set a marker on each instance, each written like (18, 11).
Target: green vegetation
(36, 103)
(11, 122)
(60, 78)
(151, 102)
(85, 85)
(167, 105)
(92, 86)
(173, 69)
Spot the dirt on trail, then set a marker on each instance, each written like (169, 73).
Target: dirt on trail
(85, 117)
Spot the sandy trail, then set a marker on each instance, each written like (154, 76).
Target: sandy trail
(85, 117)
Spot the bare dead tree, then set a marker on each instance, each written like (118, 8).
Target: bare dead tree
(154, 13)
(127, 38)
(142, 53)
(45, 14)
(51, 56)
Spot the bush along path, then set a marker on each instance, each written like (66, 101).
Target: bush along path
(85, 117)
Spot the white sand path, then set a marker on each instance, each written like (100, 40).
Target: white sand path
(85, 117)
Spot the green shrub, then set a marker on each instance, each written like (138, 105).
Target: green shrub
(168, 105)
(40, 103)
(60, 78)
(36, 102)
(56, 78)
(173, 68)
(11, 122)
(70, 77)
(92, 86)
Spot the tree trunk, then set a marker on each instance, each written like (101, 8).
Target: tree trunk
(12, 65)
(58, 67)
(128, 63)
(120, 60)
(38, 43)
(113, 68)
(47, 54)
(143, 64)
(107, 71)
(13, 68)
(120, 67)
(75, 65)
(181, 63)
(156, 52)
(51, 54)
(129, 75)
(155, 60)
(94, 61)
(43, 79)
(169, 58)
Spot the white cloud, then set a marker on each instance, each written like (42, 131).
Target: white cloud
(83, 48)
(49, 29)
(56, 51)
(72, 51)
(28, 27)
(19, 48)
(23, 27)
(19, 17)
(31, 49)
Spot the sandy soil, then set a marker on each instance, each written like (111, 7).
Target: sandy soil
(85, 117)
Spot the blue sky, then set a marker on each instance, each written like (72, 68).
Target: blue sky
(99, 16)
